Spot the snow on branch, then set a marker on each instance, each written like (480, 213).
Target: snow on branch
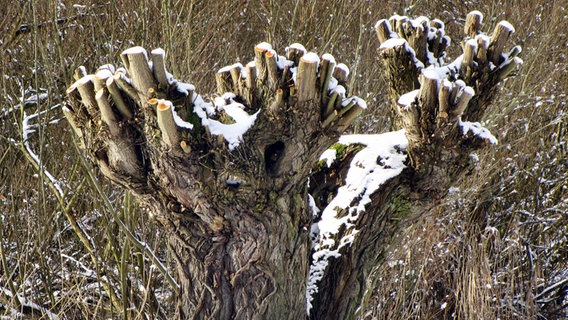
(477, 130)
(447, 93)
(381, 160)
(27, 130)
(426, 42)
(426, 37)
(232, 133)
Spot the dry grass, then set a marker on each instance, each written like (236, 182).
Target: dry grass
(489, 251)
(495, 246)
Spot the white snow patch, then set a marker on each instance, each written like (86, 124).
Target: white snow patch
(264, 46)
(223, 100)
(378, 23)
(312, 204)
(329, 156)
(397, 42)
(431, 59)
(507, 25)
(477, 13)
(180, 122)
(448, 84)
(103, 74)
(469, 91)
(354, 99)
(382, 159)
(434, 73)
(472, 43)
(84, 80)
(185, 87)
(333, 84)
(361, 102)
(365, 174)
(230, 67)
(328, 57)
(311, 57)
(420, 22)
(343, 67)
(408, 98)
(460, 83)
(177, 119)
(441, 23)
(297, 46)
(121, 70)
(136, 50)
(483, 40)
(108, 67)
(233, 133)
(477, 130)
(340, 90)
(159, 51)
(393, 43)
(82, 69)
(282, 62)
(455, 66)
(294, 71)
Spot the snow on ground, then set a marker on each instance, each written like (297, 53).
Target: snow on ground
(25, 303)
(382, 159)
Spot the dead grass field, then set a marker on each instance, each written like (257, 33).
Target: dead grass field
(495, 248)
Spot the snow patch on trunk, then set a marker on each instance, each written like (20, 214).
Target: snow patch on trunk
(232, 133)
(381, 160)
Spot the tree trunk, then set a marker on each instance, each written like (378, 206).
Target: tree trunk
(251, 268)
(228, 179)
(234, 205)
(439, 147)
(347, 278)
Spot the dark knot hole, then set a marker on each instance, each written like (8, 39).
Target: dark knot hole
(272, 156)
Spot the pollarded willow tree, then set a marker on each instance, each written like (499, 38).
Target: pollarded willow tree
(228, 179)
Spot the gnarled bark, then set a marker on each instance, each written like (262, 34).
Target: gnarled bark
(235, 207)
(439, 147)
(228, 179)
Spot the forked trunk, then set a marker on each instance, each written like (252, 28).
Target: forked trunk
(228, 179)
